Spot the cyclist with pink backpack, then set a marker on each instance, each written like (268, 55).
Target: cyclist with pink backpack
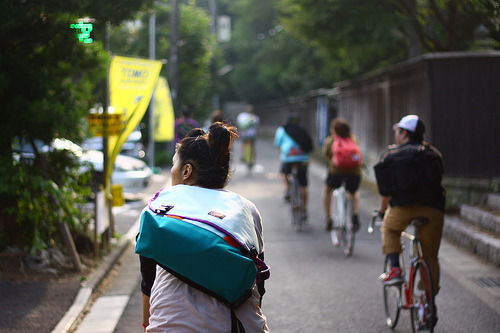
(341, 151)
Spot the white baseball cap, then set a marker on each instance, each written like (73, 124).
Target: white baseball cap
(411, 123)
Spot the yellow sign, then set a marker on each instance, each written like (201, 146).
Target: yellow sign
(117, 195)
(109, 124)
(131, 84)
(164, 112)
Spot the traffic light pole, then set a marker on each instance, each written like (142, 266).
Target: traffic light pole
(107, 183)
(152, 48)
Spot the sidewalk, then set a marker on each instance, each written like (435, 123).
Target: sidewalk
(56, 306)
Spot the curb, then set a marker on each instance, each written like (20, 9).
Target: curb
(469, 238)
(88, 287)
(481, 218)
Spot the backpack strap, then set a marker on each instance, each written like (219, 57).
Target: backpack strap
(236, 325)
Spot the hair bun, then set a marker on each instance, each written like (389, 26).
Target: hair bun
(195, 132)
(221, 135)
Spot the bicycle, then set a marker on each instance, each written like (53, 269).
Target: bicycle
(248, 153)
(416, 292)
(296, 203)
(342, 234)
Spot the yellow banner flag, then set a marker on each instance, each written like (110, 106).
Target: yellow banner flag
(164, 112)
(131, 84)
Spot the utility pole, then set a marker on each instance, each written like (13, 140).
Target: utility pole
(105, 149)
(152, 48)
(174, 45)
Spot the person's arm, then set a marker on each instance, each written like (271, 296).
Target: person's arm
(145, 311)
(327, 148)
(384, 202)
(277, 137)
(148, 273)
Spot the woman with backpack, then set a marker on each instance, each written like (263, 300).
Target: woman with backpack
(170, 302)
(341, 151)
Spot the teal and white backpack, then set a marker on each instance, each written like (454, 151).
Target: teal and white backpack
(206, 238)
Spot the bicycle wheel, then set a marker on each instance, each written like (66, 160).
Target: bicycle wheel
(348, 232)
(423, 311)
(392, 299)
(296, 204)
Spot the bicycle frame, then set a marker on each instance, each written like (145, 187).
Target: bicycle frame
(414, 254)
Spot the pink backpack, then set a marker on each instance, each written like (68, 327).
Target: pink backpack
(346, 153)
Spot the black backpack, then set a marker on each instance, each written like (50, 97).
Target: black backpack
(410, 174)
(300, 136)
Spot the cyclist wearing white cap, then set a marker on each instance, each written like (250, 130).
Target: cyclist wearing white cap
(409, 178)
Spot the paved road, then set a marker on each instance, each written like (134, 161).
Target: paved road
(313, 286)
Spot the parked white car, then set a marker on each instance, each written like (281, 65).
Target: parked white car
(134, 174)
(132, 147)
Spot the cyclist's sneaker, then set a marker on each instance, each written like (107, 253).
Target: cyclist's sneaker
(392, 277)
(328, 224)
(355, 223)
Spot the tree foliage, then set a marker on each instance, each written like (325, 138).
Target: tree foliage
(363, 35)
(47, 82)
(267, 61)
(448, 25)
(47, 76)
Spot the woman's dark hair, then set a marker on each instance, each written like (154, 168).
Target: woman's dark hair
(208, 153)
(341, 127)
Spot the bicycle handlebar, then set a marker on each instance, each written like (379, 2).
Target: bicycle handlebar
(376, 221)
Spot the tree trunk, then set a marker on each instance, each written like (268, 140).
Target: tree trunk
(9, 232)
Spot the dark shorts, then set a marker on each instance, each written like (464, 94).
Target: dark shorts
(286, 168)
(334, 180)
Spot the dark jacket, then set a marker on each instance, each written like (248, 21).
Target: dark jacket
(412, 174)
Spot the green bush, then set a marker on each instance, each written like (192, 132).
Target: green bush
(46, 194)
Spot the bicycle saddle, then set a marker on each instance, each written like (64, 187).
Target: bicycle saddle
(419, 221)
